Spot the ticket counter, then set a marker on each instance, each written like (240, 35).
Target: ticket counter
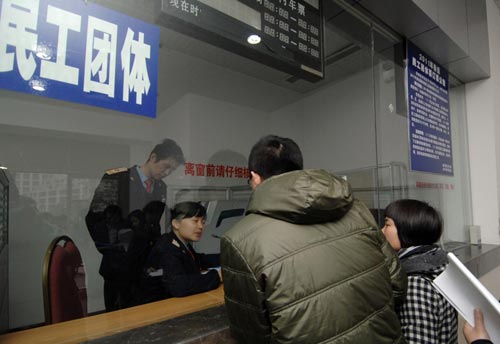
(108, 324)
(201, 317)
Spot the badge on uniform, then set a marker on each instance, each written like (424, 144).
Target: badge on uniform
(116, 170)
(175, 243)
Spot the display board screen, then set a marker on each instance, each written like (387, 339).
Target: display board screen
(290, 31)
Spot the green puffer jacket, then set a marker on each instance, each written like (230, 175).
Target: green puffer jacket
(309, 265)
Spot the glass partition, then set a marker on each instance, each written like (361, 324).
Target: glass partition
(215, 104)
(4, 255)
(448, 194)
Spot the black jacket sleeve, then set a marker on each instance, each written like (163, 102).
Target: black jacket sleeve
(182, 276)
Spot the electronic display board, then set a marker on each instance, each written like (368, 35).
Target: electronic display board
(290, 31)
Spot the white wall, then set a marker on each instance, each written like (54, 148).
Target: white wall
(334, 125)
(338, 124)
(483, 106)
(209, 129)
(42, 113)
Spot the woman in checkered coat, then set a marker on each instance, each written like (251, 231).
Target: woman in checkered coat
(412, 228)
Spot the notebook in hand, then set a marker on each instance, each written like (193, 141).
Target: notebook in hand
(465, 292)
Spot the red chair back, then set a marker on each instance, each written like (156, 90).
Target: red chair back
(65, 292)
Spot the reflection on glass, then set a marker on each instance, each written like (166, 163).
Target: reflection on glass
(124, 221)
(215, 105)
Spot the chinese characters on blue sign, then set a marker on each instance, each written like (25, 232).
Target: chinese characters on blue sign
(79, 52)
(429, 114)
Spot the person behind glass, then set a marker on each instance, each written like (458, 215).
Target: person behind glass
(477, 334)
(184, 271)
(124, 204)
(412, 228)
(307, 263)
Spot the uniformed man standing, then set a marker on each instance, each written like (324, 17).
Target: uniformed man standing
(123, 220)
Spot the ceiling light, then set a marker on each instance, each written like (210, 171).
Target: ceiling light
(253, 39)
(37, 85)
(44, 52)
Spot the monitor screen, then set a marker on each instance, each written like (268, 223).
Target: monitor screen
(221, 216)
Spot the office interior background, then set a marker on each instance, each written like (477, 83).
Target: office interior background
(216, 104)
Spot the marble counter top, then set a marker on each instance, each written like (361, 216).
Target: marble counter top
(123, 321)
(207, 326)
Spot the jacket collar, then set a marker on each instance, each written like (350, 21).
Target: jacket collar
(302, 197)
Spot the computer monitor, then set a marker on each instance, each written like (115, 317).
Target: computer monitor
(221, 216)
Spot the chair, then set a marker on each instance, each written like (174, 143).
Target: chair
(64, 287)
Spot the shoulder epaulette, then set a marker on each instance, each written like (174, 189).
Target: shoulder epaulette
(116, 170)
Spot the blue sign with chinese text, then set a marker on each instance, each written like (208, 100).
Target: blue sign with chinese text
(429, 114)
(79, 52)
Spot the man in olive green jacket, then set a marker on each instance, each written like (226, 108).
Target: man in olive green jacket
(307, 264)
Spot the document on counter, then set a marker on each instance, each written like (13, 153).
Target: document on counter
(465, 292)
(156, 273)
(216, 268)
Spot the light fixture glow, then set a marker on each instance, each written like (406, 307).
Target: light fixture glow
(253, 39)
(43, 52)
(43, 55)
(37, 85)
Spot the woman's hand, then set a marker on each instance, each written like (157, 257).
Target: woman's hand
(478, 331)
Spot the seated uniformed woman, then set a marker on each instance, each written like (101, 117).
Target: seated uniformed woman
(184, 270)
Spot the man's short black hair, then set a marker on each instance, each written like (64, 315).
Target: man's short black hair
(273, 155)
(417, 222)
(168, 149)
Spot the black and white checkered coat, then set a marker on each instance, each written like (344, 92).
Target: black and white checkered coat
(426, 316)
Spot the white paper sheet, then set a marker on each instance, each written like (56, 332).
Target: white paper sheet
(156, 273)
(465, 292)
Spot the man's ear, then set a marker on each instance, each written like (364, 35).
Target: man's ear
(256, 178)
(152, 157)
